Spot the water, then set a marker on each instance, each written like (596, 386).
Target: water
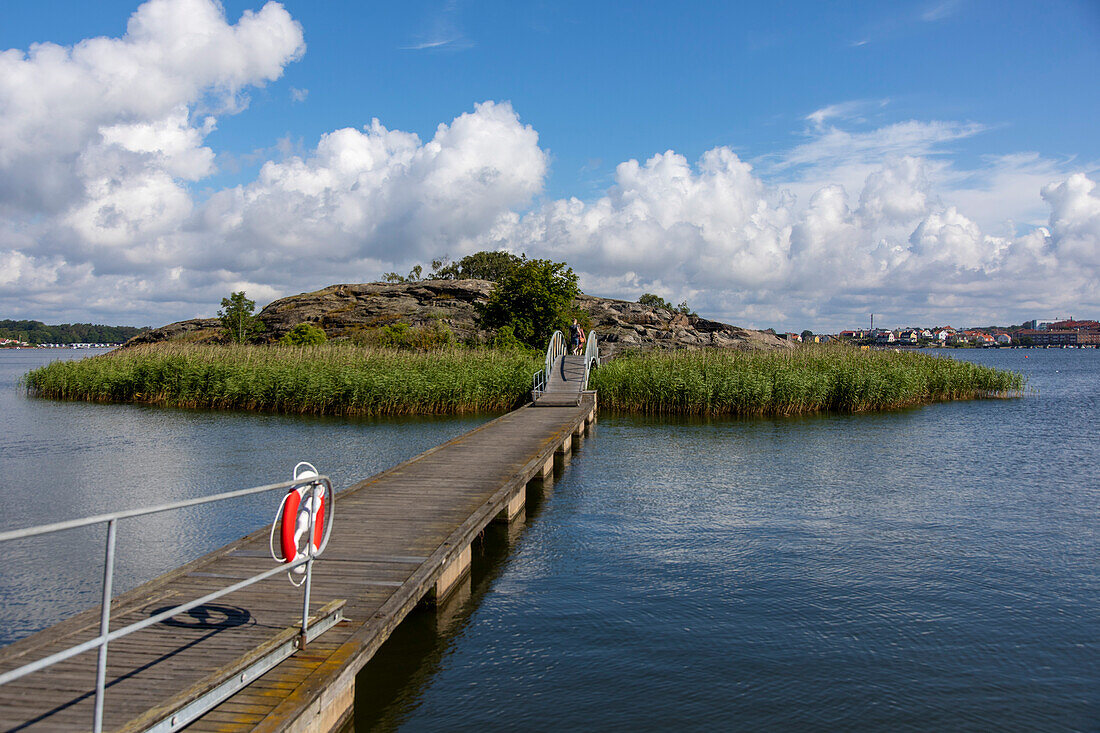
(915, 570)
(928, 569)
(64, 460)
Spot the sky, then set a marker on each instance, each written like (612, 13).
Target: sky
(789, 164)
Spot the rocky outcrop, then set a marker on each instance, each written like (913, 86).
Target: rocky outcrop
(341, 310)
(621, 324)
(196, 330)
(345, 310)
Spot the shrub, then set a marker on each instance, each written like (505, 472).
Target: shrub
(506, 340)
(304, 334)
(403, 336)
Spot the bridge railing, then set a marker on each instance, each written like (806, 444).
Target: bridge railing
(591, 356)
(318, 487)
(554, 350)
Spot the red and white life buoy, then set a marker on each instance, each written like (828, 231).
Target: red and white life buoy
(296, 515)
(300, 505)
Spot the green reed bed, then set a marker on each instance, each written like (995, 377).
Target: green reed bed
(791, 381)
(327, 379)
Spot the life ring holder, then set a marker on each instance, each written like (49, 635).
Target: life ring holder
(294, 510)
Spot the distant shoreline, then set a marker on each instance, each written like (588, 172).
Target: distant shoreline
(70, 347)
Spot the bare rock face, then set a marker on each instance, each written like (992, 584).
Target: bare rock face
(341, 310)
(344, 310)
(196, 330)
(622, 324)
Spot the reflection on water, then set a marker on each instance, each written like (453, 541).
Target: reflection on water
(916, 570)
(61, 460)
(388, 688)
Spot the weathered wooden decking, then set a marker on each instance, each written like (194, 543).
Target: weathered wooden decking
(398, 537)
(564, 383)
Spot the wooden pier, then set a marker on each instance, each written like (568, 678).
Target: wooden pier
(399, 538)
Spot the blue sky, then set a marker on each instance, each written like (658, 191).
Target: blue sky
(1000, 98)
(606, 82)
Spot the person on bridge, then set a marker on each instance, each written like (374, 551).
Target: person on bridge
(576, 337)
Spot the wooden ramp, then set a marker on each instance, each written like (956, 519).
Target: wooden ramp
(398, 537)
(564, 384)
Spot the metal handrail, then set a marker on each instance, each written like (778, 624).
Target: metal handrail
(591, 356)
(315, 483)
(554, 350)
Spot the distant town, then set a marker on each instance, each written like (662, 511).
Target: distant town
(1053, 332)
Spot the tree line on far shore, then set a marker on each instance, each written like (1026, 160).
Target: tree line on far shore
(36, 332)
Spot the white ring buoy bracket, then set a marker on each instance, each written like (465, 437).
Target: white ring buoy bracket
(300, 505)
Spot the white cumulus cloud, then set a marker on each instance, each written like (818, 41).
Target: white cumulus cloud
(376, 195)
(752, 252)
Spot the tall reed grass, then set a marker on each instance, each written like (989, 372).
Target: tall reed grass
(340, 379)
(333, 379)
(791, 381)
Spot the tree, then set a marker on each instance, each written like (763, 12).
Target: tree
(535, 298)
(36, 332)
(237, 318)
(480, 265)
(654, 301)
(505, 340)
(304, 334)
(686, 309)
(413, 276)
(807, 336)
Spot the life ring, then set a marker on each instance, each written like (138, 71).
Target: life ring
(297, 513)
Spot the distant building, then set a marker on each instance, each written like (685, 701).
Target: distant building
(1038, 337)
(1072, 325)
(983, 339)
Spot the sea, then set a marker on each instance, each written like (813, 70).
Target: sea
(933, 568)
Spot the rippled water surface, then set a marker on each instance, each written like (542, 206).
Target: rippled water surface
(927, 569)
(930, 569)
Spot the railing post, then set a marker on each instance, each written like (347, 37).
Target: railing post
(303, 638)
(104, 626)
